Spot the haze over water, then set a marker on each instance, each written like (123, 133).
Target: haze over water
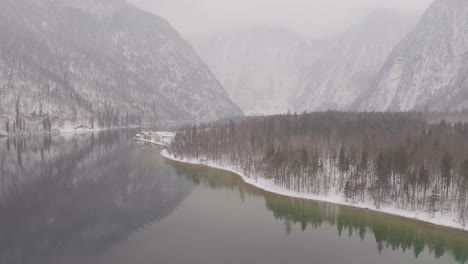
(103, 198)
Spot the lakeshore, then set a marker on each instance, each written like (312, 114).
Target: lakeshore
(446, 221)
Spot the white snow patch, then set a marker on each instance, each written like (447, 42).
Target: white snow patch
(447, 220)
(161, 138)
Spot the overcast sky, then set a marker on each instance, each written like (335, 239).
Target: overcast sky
(313, 18)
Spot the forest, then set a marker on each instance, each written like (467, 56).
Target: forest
(41, 121)
(397, 160)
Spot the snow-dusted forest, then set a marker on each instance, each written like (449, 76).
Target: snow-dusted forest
(384, 161)
(98, 64)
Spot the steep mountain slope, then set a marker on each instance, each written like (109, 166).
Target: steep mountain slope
(79, 61)
(270, 70)
(429, 69)
(259, 68)
(345, 67)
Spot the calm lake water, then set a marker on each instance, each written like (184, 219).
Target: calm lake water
(103, 198)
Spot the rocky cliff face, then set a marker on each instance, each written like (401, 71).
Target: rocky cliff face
(344, 68)
(274, 70)
(429, 68)
(103, 61)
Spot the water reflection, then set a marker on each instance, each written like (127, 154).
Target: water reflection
(389, 233)
(66, 198)
(79, 199)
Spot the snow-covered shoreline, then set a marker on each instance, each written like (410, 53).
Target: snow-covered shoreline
(160, 138)
(71, 130)
(447, 221)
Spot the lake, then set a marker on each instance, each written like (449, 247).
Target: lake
(103, 198)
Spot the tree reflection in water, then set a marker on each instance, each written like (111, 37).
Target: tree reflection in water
(79, 195)
(389, 233)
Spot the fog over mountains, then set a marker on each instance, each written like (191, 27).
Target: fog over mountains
(273, 70)
(393, 61)
(344, 67)
(429, 68)
(105, 63)
(100, 61)
(259, 68)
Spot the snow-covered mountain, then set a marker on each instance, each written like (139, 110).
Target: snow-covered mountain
(83, 60)
(259, 68)
(271, 70)
(344, 67)
(429, 68)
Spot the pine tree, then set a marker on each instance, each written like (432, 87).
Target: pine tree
(363, 165)
(401, 161)
(381, 170)
(446, 166)
(342, 160)
(463, 188)
(270, 152)
(304, 157)
(348, 190)
(382, 181)
(315, 163)
(423, 180)
(433, 200)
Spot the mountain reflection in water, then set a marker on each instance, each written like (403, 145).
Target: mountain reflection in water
(79, 195)
(102, 198)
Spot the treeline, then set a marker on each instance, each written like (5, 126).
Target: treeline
(391, 159)
(387, 232)
(104, 116)
(111, 116)
(19, 124)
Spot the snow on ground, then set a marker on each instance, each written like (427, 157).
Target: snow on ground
(80, 130)
(69, 129)
(446, 220)
(160, 138)
(84, 130)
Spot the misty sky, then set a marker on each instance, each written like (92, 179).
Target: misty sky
(313, 18)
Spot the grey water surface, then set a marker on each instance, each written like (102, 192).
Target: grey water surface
(103, 198)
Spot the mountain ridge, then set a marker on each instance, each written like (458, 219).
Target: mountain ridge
(79, 65)
(269, 70)
(427, 70)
